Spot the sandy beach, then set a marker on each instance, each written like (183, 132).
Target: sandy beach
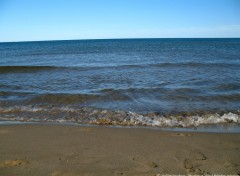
(64, 150)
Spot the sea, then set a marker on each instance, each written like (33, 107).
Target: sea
(127, 82)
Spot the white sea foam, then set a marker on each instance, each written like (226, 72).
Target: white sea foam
(188, 121)
(99, 116)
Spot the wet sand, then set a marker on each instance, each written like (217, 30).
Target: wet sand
(64, 150)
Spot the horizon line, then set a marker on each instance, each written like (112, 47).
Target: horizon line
(55, 40)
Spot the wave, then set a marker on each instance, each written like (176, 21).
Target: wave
(132, 89)
(172, 94)
(17, 69)
(123, 95)
(22, 69)
(221, 97)
(86, 115)
(225, 87)
(7, 93)
(70, 99)
(194, 64)
(63, 98)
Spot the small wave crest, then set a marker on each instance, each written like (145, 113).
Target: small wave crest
(86, 115)
(23, 69)
(63, 98)
(70, 99)
(194, 64)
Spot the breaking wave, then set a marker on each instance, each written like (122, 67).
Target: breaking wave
(23, 69)
(86, 115)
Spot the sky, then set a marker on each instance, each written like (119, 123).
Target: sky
(34, 20)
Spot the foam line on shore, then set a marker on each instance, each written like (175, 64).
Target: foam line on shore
(86, 115)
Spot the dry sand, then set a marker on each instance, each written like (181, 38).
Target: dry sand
(63, 150)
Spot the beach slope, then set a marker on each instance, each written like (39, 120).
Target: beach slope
(64, 150)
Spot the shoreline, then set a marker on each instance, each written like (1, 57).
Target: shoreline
(70, 150)
(96, 116)
(233, 128)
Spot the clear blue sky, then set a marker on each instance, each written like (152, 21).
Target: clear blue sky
(28, 20)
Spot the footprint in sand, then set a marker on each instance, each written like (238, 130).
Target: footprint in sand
(200, 156)
(118, 173)
(148, 164)
(188, 165)
(13, 163)
(59, 173)
(182, 134)
(151, 164)
(193, 170)
(190, 168)
(87, 129)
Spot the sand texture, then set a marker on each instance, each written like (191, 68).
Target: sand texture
(62, 150)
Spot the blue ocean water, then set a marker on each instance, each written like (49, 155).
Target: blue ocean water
(137, 75)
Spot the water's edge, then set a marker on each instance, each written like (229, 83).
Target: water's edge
(232, 128)
(94, 116)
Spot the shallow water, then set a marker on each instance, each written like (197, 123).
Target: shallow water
(164, 76)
